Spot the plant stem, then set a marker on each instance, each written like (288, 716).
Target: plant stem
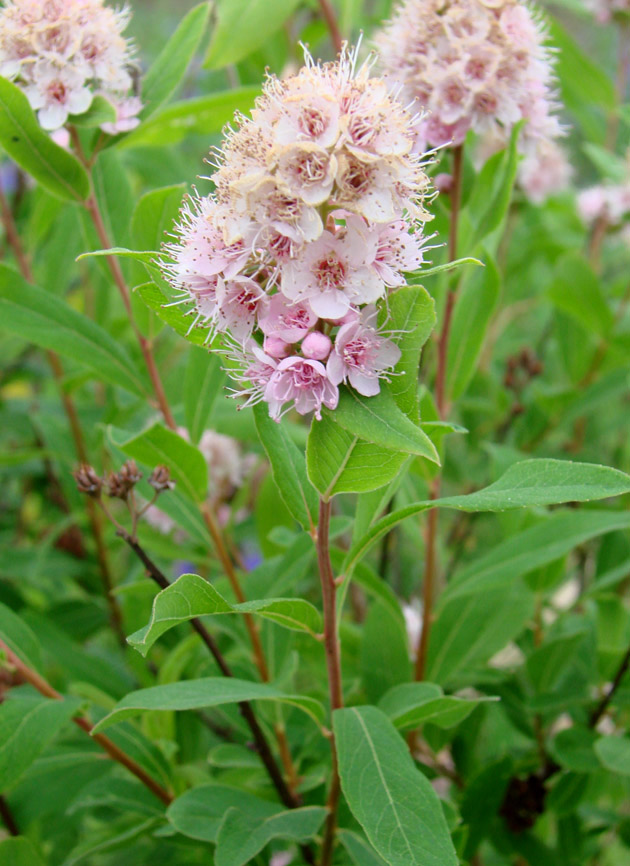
(163, 404)
(145, 345)
(44, 688)
(8, 818)
(456, 193)
(430, 556)
(331, 22)
(54, 362)
(602, 706)
(333, 664)
(290, 800)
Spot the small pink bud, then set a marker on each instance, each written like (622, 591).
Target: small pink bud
(443, 182)
(316, 346)
(275, 347)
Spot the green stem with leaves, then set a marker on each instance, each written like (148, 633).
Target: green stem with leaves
(431, 533)
(115, 615)
(333, 665)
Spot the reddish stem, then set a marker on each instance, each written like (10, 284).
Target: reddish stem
(333, 664)
(44, 688)
(331, 22)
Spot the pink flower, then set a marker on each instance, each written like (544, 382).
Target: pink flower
(396, 251)
(331, 275)
(361, 354)
(59, 92)
(303, 382)
(289, 322)
(308, 171)
(127, 111)
(238, 303)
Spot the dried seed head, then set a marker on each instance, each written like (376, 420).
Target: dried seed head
(160, 479)
(88, 481)
(120, 484)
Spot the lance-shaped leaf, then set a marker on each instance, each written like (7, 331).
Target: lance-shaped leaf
(379, 420)
(391, 799)
(27, 726)
(410, 315)
(169, 68)
(204, 382)
(34, 150)
(341, 462)
(528, 483)
(477, 300)
(241, 26)
(413, 704)
(159, 446)
(182, 324)
(241, 837)
(155, 214)
(49, 322)
(490, 197)
(203, 115)
(192, 596)
(203, 693)
(19, 638)
(199, 812)
(288, 467)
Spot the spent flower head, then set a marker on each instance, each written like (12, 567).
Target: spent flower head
(62, 53)
(318, 210)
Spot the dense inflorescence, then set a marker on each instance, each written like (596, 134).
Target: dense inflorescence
(317, 213)
(64, 52)
(609, 203)
(480, 65)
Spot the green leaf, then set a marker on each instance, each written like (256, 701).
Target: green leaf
(613, 752)
(546, 664)
(359, 849)
(124, 794)
(241, 26)
(576, 291)
(203, 693)
(19, 638)
(100, 111)
(204, 382)
(288, 467)
(413, 704)
(181, 323)
(379, 420)
(49, 322)
(392, 800)
(535, 547)
(573, 749)
(490, 198)
(27, 726)
(204, 115)
(192, 596)
(159, 446)
(482, 799)
(476, 302)
(169, 68)
(469, 630)
(199, 812)
(338, 462)
(412, 318)
(448, 266)
(242, 837)
(384, 651)
(525, 484)
(19, 851)
(155, 214)
(33, 149)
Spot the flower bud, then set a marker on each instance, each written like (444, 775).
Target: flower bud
(88, 481)
(160, 479)
(444, 182)
(276, 348)
(316, 346)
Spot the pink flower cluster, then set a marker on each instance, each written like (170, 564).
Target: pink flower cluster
(475, 64)
(609, 202)
(317, 213)
(63, 52)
